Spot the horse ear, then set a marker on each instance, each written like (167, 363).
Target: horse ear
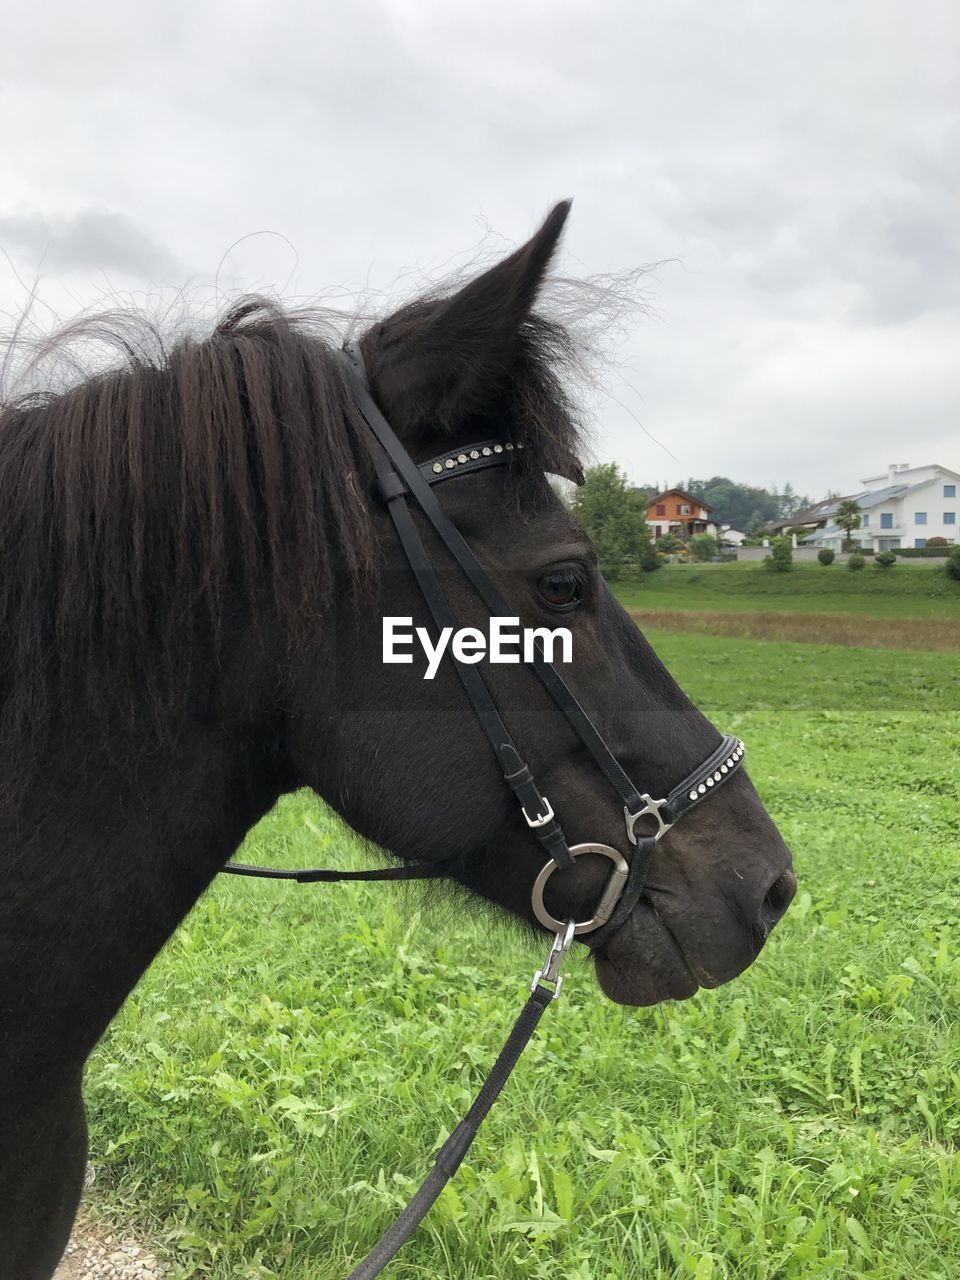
(441, 362)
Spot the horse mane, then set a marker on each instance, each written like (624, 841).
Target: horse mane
(140, 505)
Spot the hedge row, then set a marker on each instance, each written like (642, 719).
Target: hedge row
(924, 552)
(916, 552)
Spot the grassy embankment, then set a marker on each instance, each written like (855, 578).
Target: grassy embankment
(275, 1085)
(902, 608)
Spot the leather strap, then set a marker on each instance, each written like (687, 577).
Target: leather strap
(458, 1144)
(450, 536)
(516, 774)
(314, 875)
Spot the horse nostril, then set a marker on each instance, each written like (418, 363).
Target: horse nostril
(778, 897)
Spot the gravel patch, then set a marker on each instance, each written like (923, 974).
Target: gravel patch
(94, 1254)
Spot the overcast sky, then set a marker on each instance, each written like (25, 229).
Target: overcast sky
(794, 168)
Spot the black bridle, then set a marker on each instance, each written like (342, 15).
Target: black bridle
(399, 481)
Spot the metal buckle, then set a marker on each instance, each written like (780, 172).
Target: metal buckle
(652, 807)
(608, 900)
(541, 819)
(551, 966)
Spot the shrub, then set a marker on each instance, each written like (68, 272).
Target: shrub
(649, 559)
(826, 556)
(703, 546)
(780, 559)
(953, 564)
(937, 541)
(856, 561)
(885, 560)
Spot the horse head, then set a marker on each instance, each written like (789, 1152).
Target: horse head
(404, 759)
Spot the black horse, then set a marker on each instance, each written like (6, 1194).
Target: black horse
(194, 575)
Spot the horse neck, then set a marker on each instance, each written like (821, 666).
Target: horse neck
(100, 865)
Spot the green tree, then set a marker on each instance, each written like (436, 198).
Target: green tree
(615, 518)
(645, 493)
(743, 506)
(848, 518)
(755, 521)
(791, 502)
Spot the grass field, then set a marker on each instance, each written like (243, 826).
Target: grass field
(936, 634)
(914, 592)
(278, 1081)
(913, 608)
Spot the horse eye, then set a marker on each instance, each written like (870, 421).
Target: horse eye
(560, 588)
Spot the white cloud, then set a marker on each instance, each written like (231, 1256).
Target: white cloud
(86, 242)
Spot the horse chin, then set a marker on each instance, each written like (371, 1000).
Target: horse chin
(642, 964)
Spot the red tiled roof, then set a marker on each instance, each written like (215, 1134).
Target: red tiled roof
(680, 493)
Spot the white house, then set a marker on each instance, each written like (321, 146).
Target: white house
(901, 508)
(732, 537)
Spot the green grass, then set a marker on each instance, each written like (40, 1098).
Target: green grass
(275, 1086)
(902, 592)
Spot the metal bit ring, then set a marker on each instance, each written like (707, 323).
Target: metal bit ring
(608, 900)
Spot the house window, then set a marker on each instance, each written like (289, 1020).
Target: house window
(949, 490)
(661, 508)
(866, 522)
(685, 508)
(949, 517)
(919, 542)
(920, 517)
(886, 519)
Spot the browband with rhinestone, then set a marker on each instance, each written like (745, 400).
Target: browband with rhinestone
(486, 453)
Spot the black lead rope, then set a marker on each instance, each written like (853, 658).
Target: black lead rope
(458, 1144)
(451, 1154)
